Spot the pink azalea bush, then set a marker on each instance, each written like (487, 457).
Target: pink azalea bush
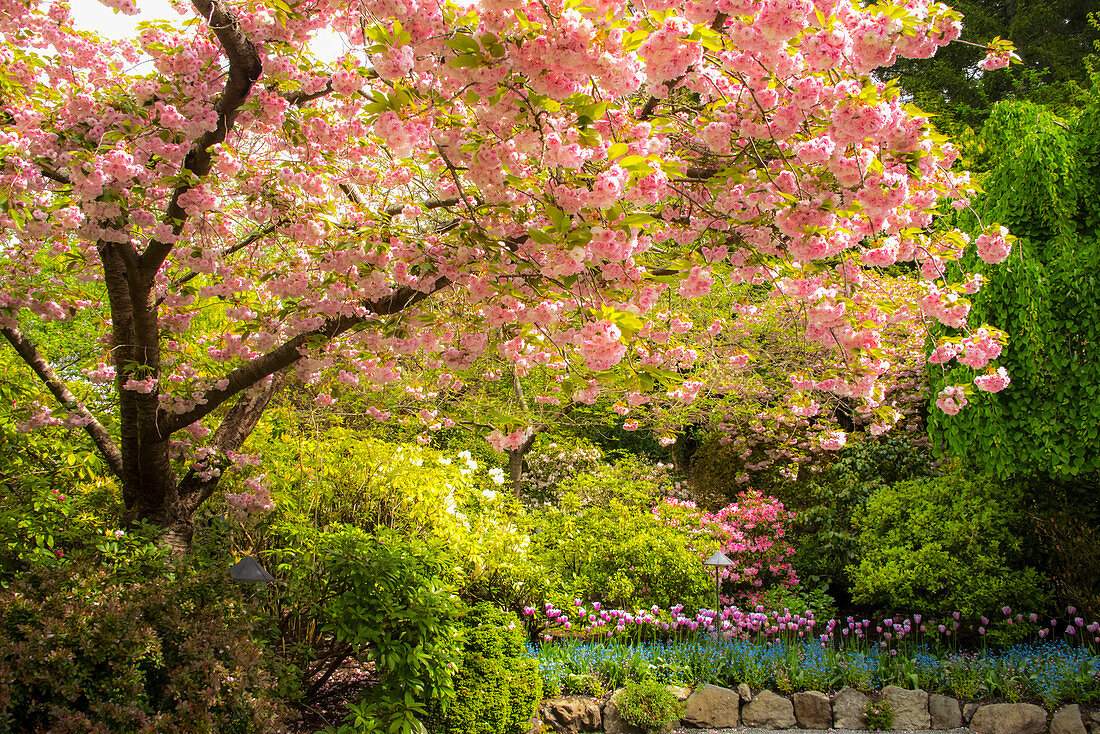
(750, 531)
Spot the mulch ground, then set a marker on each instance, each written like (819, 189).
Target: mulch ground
(328, 706)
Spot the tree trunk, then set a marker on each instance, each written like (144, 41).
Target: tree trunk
(177, 511)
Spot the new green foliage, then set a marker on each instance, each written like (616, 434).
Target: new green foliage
(604, 543)
(649, 705)
(384, 599)
(496, 685)
(826, 542)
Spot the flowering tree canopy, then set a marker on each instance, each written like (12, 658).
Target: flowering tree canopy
(531, 178)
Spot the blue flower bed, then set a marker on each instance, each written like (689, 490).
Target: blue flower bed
(1041, 671)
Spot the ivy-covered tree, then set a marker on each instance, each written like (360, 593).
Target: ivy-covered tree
(1045, 186)
(1052, 37)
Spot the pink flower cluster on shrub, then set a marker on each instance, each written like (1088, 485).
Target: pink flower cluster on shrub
(750, 531)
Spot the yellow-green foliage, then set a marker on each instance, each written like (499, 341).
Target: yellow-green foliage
(616, 550)
(338, 476)
(649, 705)
(496, 686)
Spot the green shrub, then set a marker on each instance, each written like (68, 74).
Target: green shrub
(649, 705)
(605, 544)
(383, 598)
(944, 544)
(878, 715)
(497, 686)
(582, 685)
(825, 539)
(80, 652)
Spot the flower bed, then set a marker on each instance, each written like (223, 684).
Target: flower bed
(1056, 663)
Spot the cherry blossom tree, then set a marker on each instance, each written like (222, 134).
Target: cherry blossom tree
(526, 177)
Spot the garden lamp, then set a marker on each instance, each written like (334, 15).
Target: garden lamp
(249, 571)
(719, 560)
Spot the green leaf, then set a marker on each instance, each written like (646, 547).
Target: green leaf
(466, 61)
(617, 150)
(592, 112)
(464, 44)
(637, 219)
(540, 236)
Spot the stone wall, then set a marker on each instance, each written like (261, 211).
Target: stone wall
(714, 707)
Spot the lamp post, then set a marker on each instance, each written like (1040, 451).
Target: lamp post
(719, 560)
(249, 571)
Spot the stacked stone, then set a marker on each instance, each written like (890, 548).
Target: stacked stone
(714, 707)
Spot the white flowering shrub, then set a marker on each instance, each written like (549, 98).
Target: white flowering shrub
(552, 462)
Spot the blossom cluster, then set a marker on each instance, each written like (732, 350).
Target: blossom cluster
(751, 532)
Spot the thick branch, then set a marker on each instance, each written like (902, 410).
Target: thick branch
(30, 354)
(430, 204)
(283, 356)
(53, 174)
(244, 69)
(234, 429)
(242, 418)
(515, 456)
(300, 98)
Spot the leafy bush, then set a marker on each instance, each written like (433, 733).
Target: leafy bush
(1076, 564)
(550, 463)
(380, 598)
(750, 531)
(497, 686)
(616, 551)
(825, 540)
(582, 685)
(943, 544)
(57, 502)
(649, 705)
(334, 477)
(80, 652)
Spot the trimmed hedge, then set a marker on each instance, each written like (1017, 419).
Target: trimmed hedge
(497, 687)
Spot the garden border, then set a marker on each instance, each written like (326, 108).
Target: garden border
(715, 707)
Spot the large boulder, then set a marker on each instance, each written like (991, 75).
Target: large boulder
(713, 707)
(768, 710)
(944, 712)
(682, 693)
(571, 715)
(813, 710)
(1067, 720)
(1009, 718)
(910, 707)
(848, 709)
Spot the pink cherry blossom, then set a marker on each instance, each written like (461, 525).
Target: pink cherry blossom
(993, 381)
